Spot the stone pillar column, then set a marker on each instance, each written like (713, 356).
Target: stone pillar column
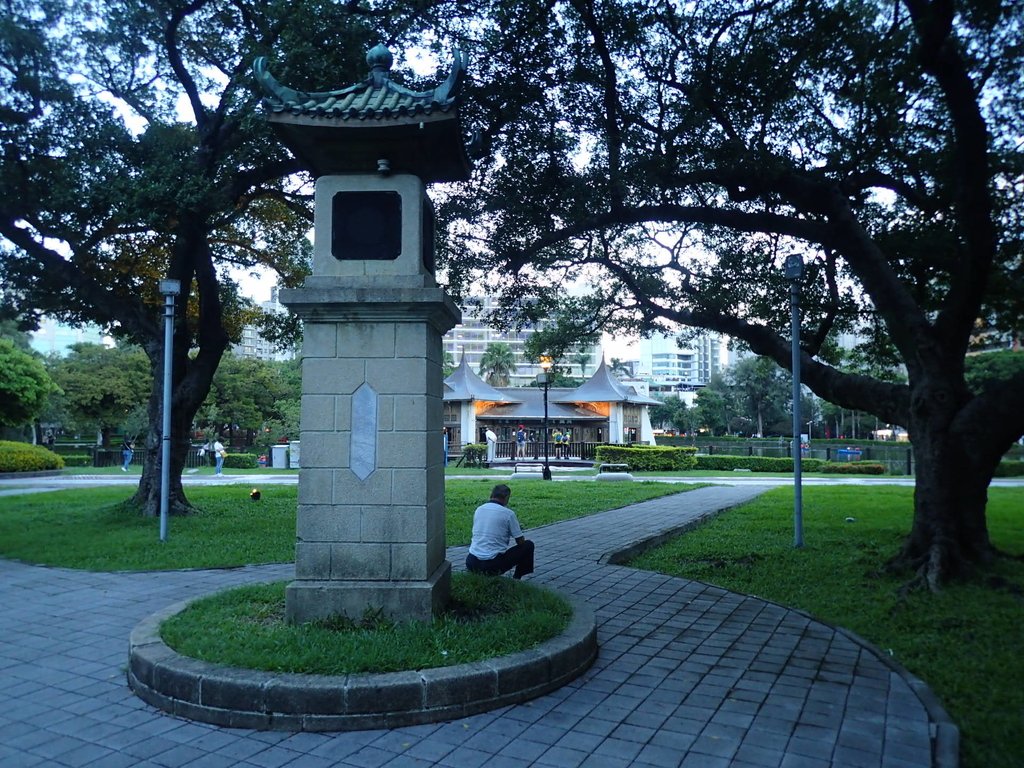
(370, 528)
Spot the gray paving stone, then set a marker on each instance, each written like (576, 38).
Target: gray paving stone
(687, 674)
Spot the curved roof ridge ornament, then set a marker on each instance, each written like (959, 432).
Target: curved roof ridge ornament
(373, 127)
(451, 87)
(380, 60)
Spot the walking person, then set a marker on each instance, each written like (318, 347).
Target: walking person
(520, 442)
(127, 452)
(219, 452)
(495, 525)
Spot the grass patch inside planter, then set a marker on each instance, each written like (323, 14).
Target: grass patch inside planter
(487, 617)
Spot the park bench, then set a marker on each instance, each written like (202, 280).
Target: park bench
(528, 471)
(613, 472)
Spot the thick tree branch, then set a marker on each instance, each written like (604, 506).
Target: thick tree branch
(849, 390)
(941, 57)
(53, 269)
(178, 65)
(610, 96)
(244, 182)
(994, 418)
(743, 221)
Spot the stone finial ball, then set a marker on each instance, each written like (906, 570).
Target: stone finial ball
(380, 56)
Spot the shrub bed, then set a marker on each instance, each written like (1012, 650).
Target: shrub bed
(473, 454)
(25, 457)
(720, 463)
(77, 460)
(648, 458)
(1010, 469)
(852, 468)
(241, 461)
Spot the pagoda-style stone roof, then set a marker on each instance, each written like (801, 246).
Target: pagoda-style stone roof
(465, 385)
(603, 387)
(373, 126)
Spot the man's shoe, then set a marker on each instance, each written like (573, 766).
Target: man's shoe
(123, 469)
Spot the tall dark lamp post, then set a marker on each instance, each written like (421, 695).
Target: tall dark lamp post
(544, 379)
(794, 274)
(169, 289)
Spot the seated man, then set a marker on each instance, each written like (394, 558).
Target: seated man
(494, 525)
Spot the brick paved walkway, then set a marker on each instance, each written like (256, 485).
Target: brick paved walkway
(688, 675)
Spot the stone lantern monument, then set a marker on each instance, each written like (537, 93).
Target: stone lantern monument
(370, 528)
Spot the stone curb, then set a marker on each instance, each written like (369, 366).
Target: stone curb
(31, 475)
(628, 551)
(245, 698)
(946, 734)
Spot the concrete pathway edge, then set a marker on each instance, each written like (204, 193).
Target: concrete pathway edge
(945, 739)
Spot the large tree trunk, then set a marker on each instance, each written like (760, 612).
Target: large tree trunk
(147, 496)
(192, 376)
(183, 410)
(949, 537)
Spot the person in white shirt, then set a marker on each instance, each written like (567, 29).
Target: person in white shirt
(219, 452)
(492, 443)
(494, 527)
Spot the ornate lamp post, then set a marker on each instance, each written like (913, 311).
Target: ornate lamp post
(544, 379)
(794, 273)
(169, 289)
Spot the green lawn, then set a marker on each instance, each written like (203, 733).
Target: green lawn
(93, 529)
(966, 642)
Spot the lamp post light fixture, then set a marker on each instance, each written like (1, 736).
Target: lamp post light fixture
(794, 274)
(169, 289)
(544, 379)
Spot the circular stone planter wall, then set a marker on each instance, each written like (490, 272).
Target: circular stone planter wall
(246, 698)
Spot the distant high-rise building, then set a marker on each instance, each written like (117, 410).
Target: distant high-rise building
(671, 367)
(253, 344)
(54, 337)
(666, 364)
(473, 335)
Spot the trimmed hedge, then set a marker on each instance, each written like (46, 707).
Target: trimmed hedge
(1010, 469)
(25, 457)
(720, 463)
(241, 461)
(853, 468)
(648, 458)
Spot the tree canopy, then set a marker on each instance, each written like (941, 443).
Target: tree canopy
(497, 364)
(764, 390)
(672, 156)
(134, 149)
(24, 385)
(102, 388)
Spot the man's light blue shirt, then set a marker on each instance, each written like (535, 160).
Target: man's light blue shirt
(495, 528)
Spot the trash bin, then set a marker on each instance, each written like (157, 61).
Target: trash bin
(293, 454)
(279, 456)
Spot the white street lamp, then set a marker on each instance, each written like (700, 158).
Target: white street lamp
(169, 289)
(794, 274)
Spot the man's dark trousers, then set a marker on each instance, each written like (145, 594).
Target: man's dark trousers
(519, 557)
